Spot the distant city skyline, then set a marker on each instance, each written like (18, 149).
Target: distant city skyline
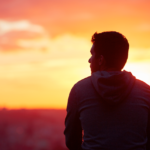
(32, 129)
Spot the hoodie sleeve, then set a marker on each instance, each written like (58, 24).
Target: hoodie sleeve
(148, 134)
(73, 129)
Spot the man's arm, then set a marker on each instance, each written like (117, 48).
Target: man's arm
(148, 133)
(73, 130)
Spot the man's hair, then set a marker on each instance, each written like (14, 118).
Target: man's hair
(113, 46)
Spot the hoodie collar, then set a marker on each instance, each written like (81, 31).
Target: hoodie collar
(114, 86)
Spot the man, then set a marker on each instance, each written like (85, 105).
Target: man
(111, 106)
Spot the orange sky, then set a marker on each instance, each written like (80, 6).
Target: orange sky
(45, 46)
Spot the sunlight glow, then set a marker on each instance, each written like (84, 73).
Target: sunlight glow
(140, 70)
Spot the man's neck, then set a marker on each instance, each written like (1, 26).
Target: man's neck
(110, 69)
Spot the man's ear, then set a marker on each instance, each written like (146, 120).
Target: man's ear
(101, 60)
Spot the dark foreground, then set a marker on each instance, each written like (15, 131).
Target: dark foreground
(32, 129)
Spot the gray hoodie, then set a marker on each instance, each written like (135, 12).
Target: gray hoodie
(112, 110)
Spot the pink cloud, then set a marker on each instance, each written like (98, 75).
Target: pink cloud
(13, 32)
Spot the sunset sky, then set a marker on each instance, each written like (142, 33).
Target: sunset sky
(45, 46)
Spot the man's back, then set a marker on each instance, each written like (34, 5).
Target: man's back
(112, 109)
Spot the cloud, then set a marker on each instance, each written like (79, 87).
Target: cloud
(63, 49)
(21, 35)
(22, 25)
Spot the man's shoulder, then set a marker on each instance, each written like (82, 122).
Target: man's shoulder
(85, 87)
(142, 88)
(83, 82)
(142, 84)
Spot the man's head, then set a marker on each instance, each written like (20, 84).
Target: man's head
(109, 51)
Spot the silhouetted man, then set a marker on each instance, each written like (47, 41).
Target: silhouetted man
(111, 106)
